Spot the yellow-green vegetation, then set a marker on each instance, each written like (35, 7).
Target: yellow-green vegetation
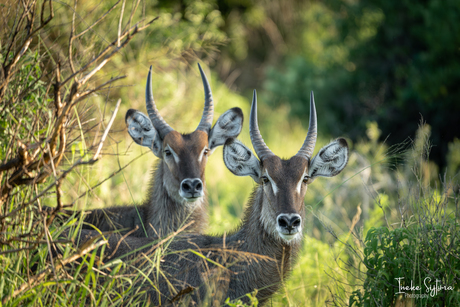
(383, 192)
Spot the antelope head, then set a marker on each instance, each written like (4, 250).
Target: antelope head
(283, 183)
(184, 155)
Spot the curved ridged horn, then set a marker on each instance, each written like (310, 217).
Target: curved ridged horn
(208, 111)
(310, 141)
(155, 117)
(257, 141)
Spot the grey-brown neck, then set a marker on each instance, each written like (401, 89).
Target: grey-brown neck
(166, 213)
(253, 237)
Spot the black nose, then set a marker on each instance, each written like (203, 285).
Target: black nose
(192, 186)
(289, 221)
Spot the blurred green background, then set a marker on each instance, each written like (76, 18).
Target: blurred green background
(376, 67)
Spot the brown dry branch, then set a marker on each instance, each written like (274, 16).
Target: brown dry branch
(97, 21)
(56, 184)
(36, 146)
(96, 157)
(63, 104)
(90, 189)
(29, 11)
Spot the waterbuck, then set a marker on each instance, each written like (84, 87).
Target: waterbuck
(177, 194)
(260, 253)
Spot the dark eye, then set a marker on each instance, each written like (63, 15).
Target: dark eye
(264, 179)
(167, 152)
(305, 179)
(205, 152)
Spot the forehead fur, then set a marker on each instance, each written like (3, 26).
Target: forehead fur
(186, 143)
(281, 170)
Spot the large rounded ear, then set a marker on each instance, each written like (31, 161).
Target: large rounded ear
(240, 160)
(140, 128)
(330, 160)
(228, 126)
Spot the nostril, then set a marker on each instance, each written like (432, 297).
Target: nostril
(282, 222)
(295, 221)
(197, 186)
(186, 187)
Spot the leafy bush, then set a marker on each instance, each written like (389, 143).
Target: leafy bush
(375, 61)
(416, 255)
(402, 263)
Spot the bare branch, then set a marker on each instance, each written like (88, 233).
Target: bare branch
(97, 21)
(85, 94)
(134, 9)
(71, 37)
(104, 136)
(135, 30)
(108, 177)
(120, 22)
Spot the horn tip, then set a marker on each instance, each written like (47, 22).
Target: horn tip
(204, 78)
(201, 71)
(150, 73)
(312, 104)
(253, 114)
